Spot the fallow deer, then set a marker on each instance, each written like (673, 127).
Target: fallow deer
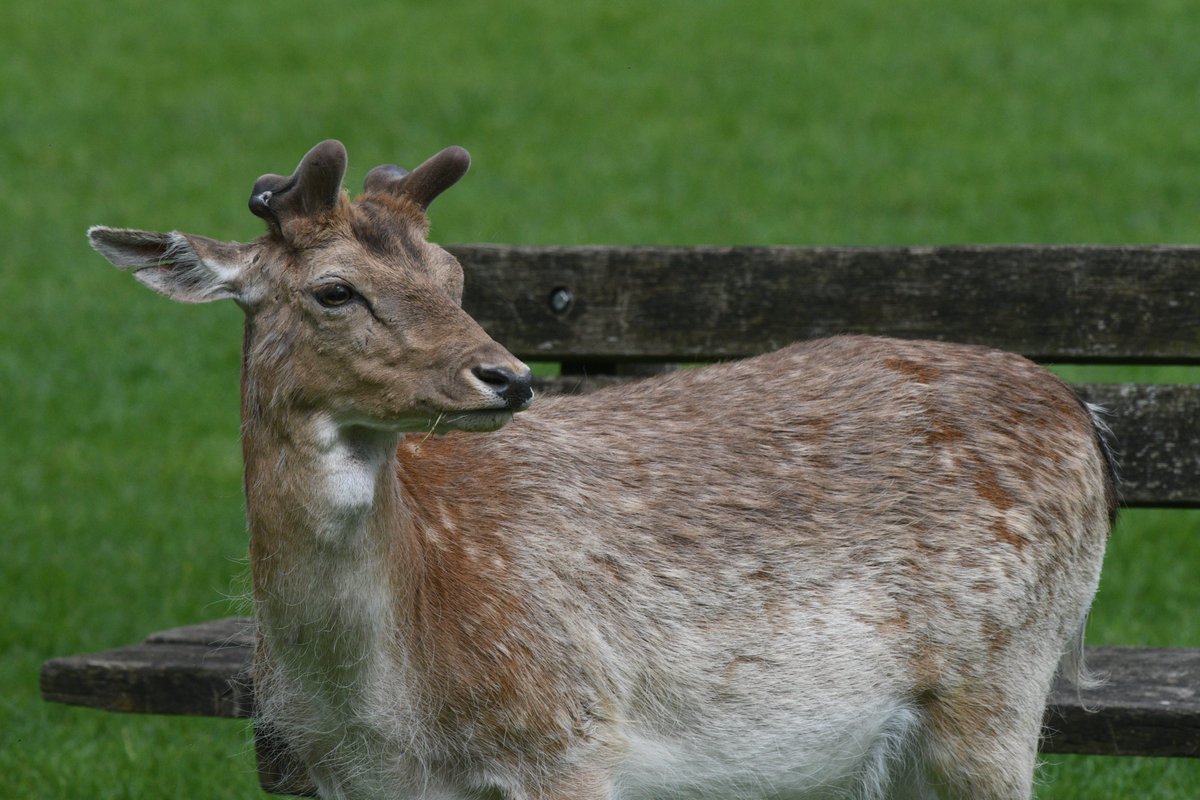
(850, 567)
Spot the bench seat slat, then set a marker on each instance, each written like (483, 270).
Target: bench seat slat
(162, 675)
(227, 632)
(1149, 706)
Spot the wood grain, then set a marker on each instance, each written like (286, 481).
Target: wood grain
(1060, 303)
(1154, 430)
(1149, 706)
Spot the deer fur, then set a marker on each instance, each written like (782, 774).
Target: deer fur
(848, 568)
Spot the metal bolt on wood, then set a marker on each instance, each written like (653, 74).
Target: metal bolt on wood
(560, 300)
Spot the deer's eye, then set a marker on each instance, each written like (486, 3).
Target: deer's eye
(332, 295)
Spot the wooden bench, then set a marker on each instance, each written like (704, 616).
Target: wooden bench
(611, 313)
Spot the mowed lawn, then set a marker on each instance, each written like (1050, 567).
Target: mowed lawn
(855, 123)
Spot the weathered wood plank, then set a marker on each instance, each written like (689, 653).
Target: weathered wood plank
(1154, 429)
(1157, 438)
(1149, 706)
(217, 633)
(1062, 303)
(154, 678)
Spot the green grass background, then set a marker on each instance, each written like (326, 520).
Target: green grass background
(857, 123)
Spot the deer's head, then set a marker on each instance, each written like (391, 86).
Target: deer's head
(350, 310)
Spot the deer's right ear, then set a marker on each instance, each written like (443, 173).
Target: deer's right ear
(187, 268)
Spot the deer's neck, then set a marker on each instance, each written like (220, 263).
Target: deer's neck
(328, 538)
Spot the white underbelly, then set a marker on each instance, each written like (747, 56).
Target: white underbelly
(853, 755)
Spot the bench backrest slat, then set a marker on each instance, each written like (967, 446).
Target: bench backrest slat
(1081, 304)
(1158, 441)
(1053, 303)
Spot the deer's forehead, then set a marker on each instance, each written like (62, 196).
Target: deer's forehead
(350, 259)
(394, 261)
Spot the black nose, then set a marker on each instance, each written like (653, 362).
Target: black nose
(515, 390)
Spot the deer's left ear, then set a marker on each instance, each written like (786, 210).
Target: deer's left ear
(187, 268)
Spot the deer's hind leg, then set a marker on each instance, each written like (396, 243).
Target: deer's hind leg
(983, 747)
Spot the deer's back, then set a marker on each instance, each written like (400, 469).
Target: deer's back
(841, 447)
